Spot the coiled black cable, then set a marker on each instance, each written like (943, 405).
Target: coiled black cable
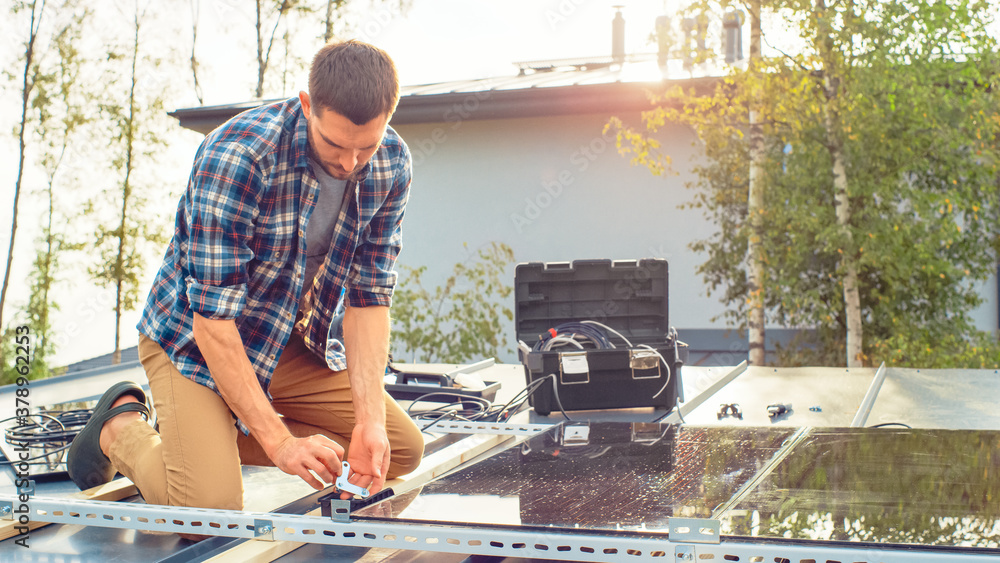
(52, 432)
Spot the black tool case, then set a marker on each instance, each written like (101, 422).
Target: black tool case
(627, 296)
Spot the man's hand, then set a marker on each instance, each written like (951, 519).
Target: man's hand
(366, 339)
(369, 458)
(297, 456)
(222, 347)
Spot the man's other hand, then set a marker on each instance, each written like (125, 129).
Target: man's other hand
(369, 458)
(297, 456)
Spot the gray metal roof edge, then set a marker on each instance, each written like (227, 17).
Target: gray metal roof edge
(731, 339)
(74, 376)
(453, 107)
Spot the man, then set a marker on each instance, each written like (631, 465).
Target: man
(265, 335)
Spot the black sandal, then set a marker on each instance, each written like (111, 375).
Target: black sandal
(88, 466)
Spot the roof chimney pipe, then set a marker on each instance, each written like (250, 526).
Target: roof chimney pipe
(618, 36)
(732, 24)
(662, 40)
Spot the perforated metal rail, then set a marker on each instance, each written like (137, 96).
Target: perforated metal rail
(506, 429)
(606, 547)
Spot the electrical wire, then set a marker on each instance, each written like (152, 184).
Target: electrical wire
(586, 335)
(887, 424)
(53, 433)
(662, 359)
(483, 410)
(567, 339)
(582, 333)
(680, 415)
(555, 392)
(448, 410)
(609, 329)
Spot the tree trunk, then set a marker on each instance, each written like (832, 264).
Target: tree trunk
(46, 266)
(126, 196)
(261, 64)
(26, 86)
(264, 55)
(755, 209)
(852, 298)
(328, 21)
(842, 204)
(195, 12)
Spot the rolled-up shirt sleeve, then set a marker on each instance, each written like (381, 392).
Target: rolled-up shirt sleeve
(220, 209)
(372, 277)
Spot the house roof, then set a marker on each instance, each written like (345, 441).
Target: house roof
(541, 88)
(129, 356)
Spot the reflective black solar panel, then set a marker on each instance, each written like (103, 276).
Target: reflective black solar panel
(921, 487)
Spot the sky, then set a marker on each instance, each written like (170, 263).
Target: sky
(443, 40)
(458, 39)
(431, 41)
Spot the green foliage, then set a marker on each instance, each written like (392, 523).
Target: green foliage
(922, 348)
(60, 106)
(137, 137)
(55, 110)
(280, 25)
(460, 320)
(26, 85)
(919, 123)
(16, 344)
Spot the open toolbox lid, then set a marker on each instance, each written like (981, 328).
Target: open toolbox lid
(629, 296)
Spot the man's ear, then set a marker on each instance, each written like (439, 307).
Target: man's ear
(304, 100)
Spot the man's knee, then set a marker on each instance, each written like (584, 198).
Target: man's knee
(219, 494)
(407, 450)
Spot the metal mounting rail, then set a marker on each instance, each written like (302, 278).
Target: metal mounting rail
(506, 429)
(677, 415)
(507, 542)
(751, 484)
(861, 417)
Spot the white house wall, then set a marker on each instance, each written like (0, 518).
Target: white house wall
(553, 189)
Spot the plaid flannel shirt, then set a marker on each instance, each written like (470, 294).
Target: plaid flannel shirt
(238, 248)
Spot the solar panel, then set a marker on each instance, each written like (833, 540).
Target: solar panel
(920, 487)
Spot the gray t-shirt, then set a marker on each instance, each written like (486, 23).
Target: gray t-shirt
(319, 230)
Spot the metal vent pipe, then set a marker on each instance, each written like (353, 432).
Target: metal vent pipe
(618, 36)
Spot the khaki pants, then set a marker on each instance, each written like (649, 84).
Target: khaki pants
(195, 458)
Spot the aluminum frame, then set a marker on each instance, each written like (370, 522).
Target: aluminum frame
(502, 428)
(499, 542)
(865, 409)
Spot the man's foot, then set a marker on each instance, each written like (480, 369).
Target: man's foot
(111, 428)
(86, 461)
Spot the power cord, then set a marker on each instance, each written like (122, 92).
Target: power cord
(482, 409)
(579, 334)
(50, 431)
(582, 335)
(888, 424)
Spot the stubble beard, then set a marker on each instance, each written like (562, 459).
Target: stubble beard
(351, 176)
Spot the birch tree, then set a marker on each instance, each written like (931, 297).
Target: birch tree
(270, 15)
(133, 127)
(60, 105)
(195, 16)
(831, 65)
(880, 160)
(36, 14)
(756, 317)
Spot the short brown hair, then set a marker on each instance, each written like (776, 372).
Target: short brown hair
(354, 79)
